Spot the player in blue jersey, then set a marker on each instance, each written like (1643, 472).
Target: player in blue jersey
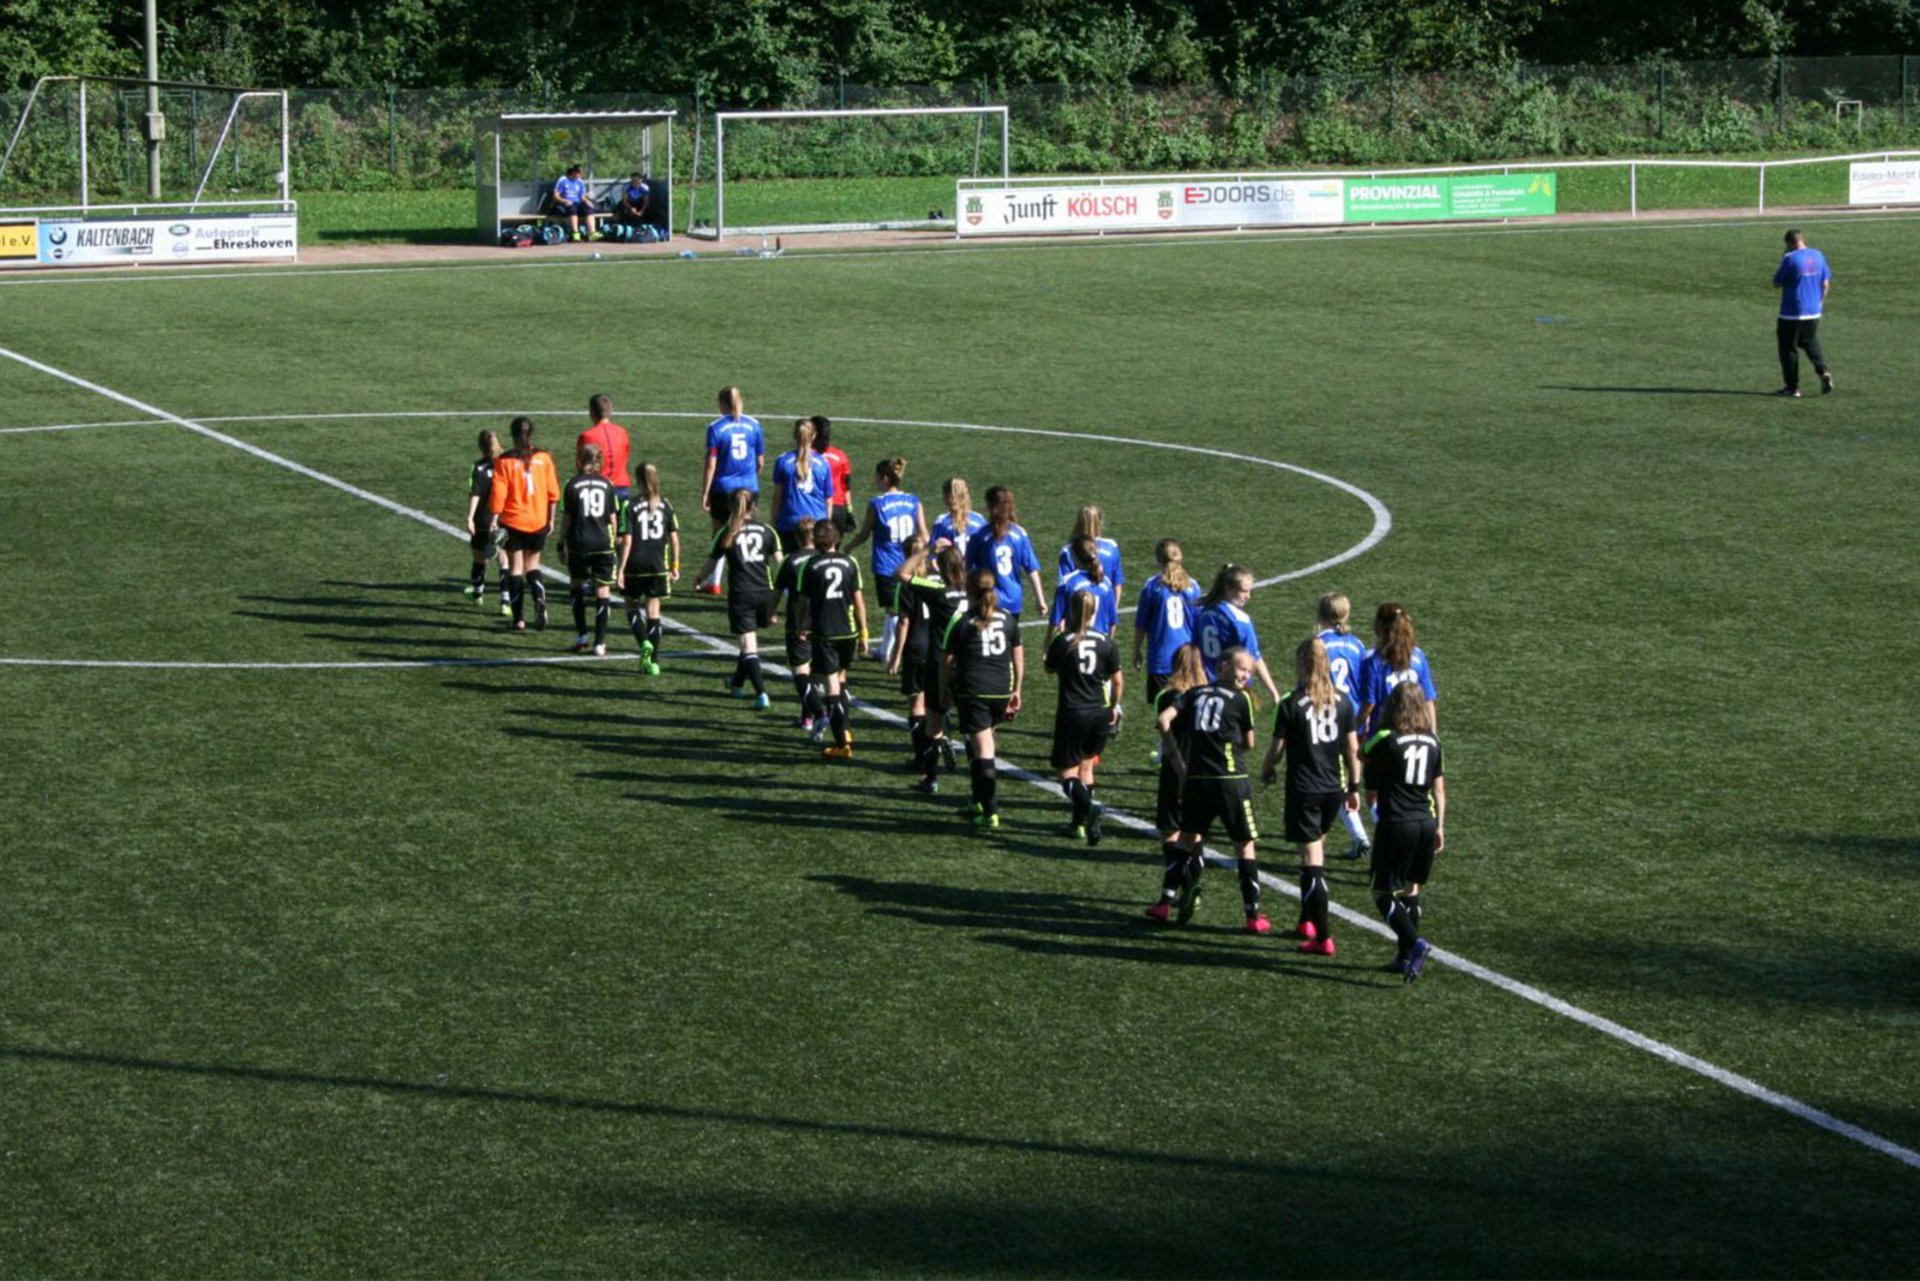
(1394, 660)
(1223, 624)
(1346, 654)
(1004, 550)
(802, 487)
(1163, 617)
(736, 453)
(960, 522)
(572, 201)
(1088, 575)
(1088, 525)
(893, 516)
(1803, 278)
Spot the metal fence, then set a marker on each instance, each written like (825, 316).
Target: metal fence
(405, 138)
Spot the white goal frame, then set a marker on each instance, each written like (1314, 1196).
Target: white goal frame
(720, 119)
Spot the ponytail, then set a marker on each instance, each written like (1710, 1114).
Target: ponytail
(743, 503)
(981, 592)
(650, 482)
(803, 437)
(1000, 510)
(1173, 566)
(1316, 677)
(959, 502)
(1086, 554)
(1083, 609)
(890, 472)
(1396, 640)
(953, 571)
(732, 403)
(1225, 583)
(1089, 523)
(489, 443)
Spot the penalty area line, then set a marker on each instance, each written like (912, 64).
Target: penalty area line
(1502, 982)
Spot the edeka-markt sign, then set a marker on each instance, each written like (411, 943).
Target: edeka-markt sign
(1429, 197)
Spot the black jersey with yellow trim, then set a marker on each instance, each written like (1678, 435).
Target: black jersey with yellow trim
(1316, 739)
(786, 585)
(1402, 769)
(1086, 666)
(752, 559)
(651, 530)
(831, 581)
(931, 605)
(590, 514)
(1215, 721)
(982, 652)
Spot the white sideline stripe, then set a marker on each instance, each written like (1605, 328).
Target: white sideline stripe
(386, 664)
(1659, 1049)
(1382, 517)
(1071, 243)
(22, 431)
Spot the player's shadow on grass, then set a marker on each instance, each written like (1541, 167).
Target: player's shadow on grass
(1659, 391)
(363, 622)
(810, 811)
(1877, 854)
(435, 1090)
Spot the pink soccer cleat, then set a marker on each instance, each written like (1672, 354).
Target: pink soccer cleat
(1160, 911)
(1319, 947)
(1258, 925)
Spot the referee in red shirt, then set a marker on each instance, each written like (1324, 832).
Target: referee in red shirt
(611, 439)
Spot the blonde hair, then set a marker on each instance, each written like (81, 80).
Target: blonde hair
(1088, 524)
(650, 484)
(591, 459)
(1316, 677)
(982, 593)
(1173, 565)
(1334, 611)
(959, 500)
(743, 504)
(1189, 671)
(803, 435)
(891, 471)
(732, 403)
(1407, 709)
(1083, 609)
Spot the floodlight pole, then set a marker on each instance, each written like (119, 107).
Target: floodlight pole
(156, 126)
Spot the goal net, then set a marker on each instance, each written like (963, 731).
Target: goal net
(85, 142)
(866, 169)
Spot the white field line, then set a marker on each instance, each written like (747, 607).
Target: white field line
(1382, 518)
(387, 664)
(1068, 244)
(1598, 1023)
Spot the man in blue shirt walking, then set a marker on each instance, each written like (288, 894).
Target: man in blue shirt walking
(1803, 277)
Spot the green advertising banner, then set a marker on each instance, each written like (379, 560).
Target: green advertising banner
(1420, 198)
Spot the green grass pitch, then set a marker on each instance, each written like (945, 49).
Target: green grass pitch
(552, 970)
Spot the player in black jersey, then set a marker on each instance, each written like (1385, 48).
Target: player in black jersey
(793, 602)
(837, 626)
(589, 526)
(1212, 727)
(933, 591)
(649, 561)
(1406, 783)
(1087, 663)
(483, 527)
(1313, 730)
(985, 669)
(1185, 671)
(751, 551)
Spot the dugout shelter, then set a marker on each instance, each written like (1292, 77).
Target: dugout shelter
(518, 154)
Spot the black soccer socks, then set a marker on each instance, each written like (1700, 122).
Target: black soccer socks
(1313, 899)
(1175, 875)
(986, 783)
(1250, 886)
(603, 607)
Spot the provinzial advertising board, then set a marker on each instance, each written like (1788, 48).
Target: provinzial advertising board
(1440, 198)
(1180, 204)
(99, 242)
(1888, 182)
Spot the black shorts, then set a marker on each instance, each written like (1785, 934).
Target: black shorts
(789, 540)
(1079, 735)
(719, 503)
(833, 654)
(1228, 800)
(646, 586)
(484, 540)
(750, 613)
(597, 568)
(913, 674)
(842, 518)
(977, 714)
(1166, 804)
(519, 541)
(888, 592)
(799, 649)
(933, 683)
(1156, 681)
(1403, 854)
(1311, 815)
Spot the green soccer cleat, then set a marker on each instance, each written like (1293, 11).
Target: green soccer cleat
(1186, 901)
(1072, 831)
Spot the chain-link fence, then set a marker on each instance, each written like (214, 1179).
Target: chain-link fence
(398, 138)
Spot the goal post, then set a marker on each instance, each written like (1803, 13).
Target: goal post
(966, 154)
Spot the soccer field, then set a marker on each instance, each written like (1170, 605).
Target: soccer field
(346, 933)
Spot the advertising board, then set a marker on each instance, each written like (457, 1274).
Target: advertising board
(1186, 204)
(1877, 182)
(19, 239)
(96, 242)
